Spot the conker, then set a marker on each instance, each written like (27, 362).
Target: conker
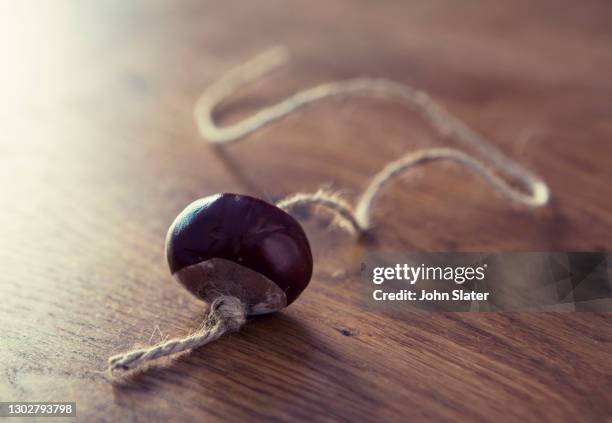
(231, 244)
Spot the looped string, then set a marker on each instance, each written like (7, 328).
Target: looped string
(446, 126)
(226, 314)
(357, 220)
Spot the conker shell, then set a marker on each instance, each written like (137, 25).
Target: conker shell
(231, 244)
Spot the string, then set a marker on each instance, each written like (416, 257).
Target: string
(357, 219)
(226, 314)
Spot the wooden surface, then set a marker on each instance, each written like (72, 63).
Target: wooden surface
(99, 152)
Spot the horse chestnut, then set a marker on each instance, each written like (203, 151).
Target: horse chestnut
(230, 244)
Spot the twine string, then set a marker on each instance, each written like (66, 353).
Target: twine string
(357, 219)
(226, 314)
(534, 192)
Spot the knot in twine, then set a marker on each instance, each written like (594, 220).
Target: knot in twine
(230, 311)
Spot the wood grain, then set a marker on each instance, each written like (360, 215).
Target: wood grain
(99, 152)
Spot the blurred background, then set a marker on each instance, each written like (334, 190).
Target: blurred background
(98, 100)
(99, 152)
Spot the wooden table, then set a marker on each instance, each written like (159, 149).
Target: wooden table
(99, 152)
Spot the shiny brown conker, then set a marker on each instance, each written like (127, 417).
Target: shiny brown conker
(231, 244)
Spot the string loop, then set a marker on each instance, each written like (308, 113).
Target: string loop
(534, 192)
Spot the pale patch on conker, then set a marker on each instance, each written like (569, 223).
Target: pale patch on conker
(211, 278)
